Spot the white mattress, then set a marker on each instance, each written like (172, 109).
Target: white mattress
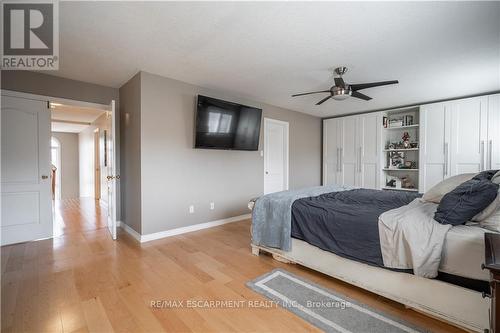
(463, 252)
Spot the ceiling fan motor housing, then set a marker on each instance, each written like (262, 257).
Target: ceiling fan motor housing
(340, 93)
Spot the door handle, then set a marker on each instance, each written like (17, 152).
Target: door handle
(45, 177)
(481, 168)
(360, 151)
(341, 157)
(338, 159)
(445, 172)
(490, 153)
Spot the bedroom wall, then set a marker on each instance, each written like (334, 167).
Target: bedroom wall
(69, 164)
(130, 125)
(54, 86)
(175, 176)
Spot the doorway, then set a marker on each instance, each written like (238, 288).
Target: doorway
(275, 155)
(69, 169)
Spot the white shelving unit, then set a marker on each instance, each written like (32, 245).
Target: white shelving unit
(392, 136)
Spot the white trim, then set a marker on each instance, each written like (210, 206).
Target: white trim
(55, 99)
(287, 149)
(129, 230)
(178, 231)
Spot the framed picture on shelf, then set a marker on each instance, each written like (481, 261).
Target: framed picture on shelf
(396, 159)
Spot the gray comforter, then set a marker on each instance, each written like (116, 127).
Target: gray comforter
(272, 215)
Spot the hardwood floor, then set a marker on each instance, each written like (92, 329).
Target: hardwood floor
(82, 281)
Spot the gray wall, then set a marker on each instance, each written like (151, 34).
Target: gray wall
(174, 175)
(69, 164)
(54, 86)
(130, 118)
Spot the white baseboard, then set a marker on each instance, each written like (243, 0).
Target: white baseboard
(129, 230)
(172, 232)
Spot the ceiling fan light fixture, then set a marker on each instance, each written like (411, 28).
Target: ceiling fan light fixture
(340, 94)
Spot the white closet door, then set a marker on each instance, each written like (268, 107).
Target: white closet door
(493, 132)
(434, 145)
(349, 151)
(331, 151)
(468, 135)
(368, 145)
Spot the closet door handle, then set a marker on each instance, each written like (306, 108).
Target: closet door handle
(445, 159)
(481, 168)
(490, 153)
(340, 159)
(359, 158)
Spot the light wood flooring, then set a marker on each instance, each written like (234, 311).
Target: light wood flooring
(82, 281)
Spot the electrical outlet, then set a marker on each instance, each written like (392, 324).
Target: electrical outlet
(212, 205)
(191, 209)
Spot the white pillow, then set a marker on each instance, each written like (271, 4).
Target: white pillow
(496, 178)
(488, 211)
(492, 222)
(436, 193)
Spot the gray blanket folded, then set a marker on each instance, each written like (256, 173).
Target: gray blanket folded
(272, 215)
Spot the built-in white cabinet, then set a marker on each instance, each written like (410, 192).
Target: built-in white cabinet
(493, 161)
(434, 144)
(460, 136)
(351, 150)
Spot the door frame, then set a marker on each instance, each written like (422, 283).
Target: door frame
(286, 149)
(97, 165)
(52, 99)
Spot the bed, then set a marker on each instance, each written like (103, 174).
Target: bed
(337, 231)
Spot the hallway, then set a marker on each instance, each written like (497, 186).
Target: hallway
(78, 215)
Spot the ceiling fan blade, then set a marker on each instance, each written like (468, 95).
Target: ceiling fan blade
(360, 86)
(313, 92)
(339, 82)
(324, 100)
(360, 95)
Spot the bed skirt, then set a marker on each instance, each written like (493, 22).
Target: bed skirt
(459, 306)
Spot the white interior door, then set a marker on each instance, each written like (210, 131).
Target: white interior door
(434, 145)
(331, 151)
(494, 132)
(369, 136)
(348, 151)
(112, 177)
(468, 135)
(25, 178)
(275, 155)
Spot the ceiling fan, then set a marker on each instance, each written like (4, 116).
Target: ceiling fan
(341, 90)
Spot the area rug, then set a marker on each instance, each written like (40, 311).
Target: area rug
(324, 308)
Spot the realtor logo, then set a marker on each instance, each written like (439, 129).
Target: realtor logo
(30, 32)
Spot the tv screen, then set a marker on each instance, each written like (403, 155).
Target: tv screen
(226, 125)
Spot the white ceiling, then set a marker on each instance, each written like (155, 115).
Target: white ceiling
(268, 51)
(72, 119)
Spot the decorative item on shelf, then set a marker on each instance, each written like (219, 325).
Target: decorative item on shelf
(408, 164)
(390, 181)
(413, 144)
(396, 159)
(406, 140)
(406, 182)
(408, 120)
(399, 183)
(396, 122)
(390, 146)
(385, 121)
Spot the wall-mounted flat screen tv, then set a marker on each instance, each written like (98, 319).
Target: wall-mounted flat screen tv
(226, 125)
